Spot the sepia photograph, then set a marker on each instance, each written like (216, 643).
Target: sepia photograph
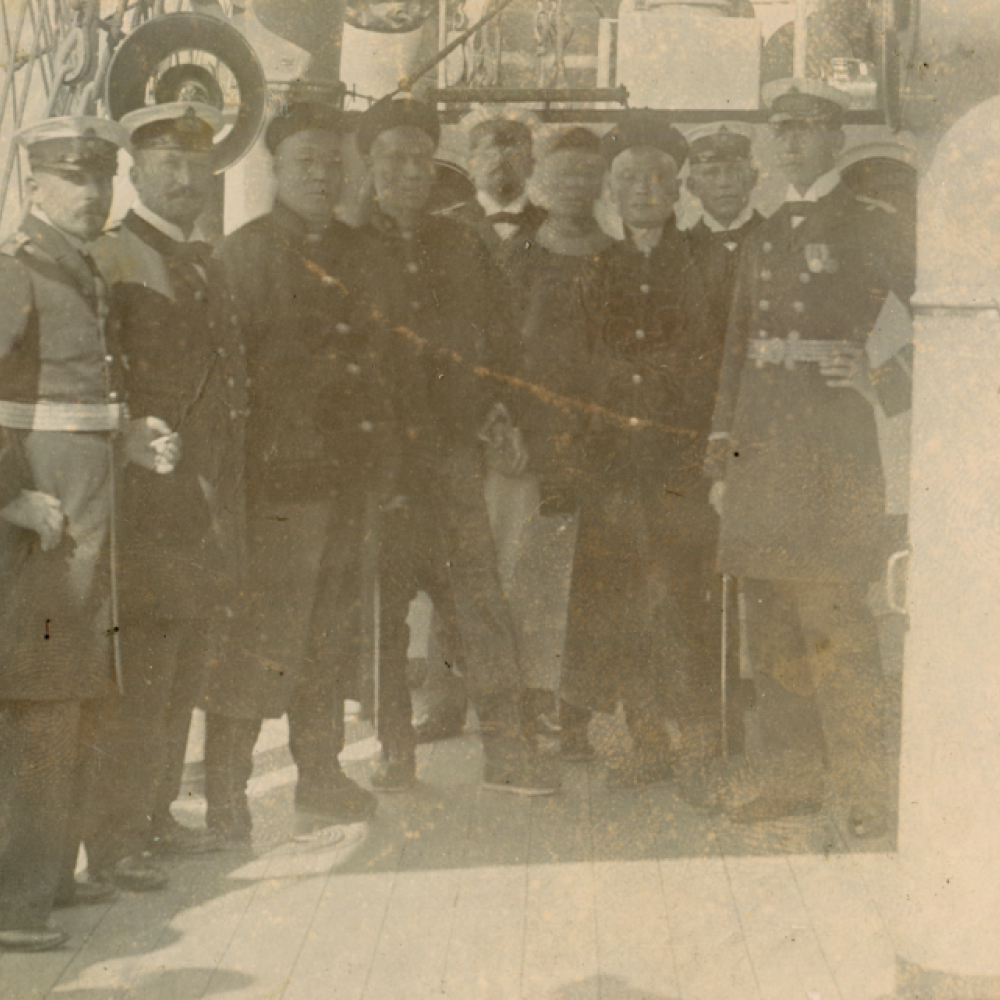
(499, 500)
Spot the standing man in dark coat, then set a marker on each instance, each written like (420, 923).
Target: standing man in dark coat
(722, 176)
(797, 464)
(445, 356)
(60, 409)
(186, 375)
(643, 616)
(296, 636)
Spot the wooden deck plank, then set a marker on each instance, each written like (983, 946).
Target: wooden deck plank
(633, 934)
(849, 927)
(787, 959)
(707, 937)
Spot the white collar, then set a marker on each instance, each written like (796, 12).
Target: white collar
(717, 227)
(820, 188)
(167, 228)
(74, 241)
(491, 206)
(646, 240)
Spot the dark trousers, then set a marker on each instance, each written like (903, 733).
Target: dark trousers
(817, 659)
(440, 541)
(644, 611)
(38, 769)
(136, 751)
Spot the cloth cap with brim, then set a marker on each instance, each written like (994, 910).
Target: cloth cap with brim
(306, 116)
(812, 102)
(74, 144)
(399, 112)
(187, 126)
(189, 83)
(643, 128)
(720, 142)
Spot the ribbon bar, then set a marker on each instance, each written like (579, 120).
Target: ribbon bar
(49, 416)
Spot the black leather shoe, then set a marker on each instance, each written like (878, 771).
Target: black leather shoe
(439, 713)
(171, 838)
(88, 892)
(136, 873)
(338, 799)
(37, 940)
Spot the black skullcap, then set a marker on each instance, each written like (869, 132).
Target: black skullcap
(304, 116)
(400, 112)
(645, 128)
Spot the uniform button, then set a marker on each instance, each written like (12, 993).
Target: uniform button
(799, 307)
(762, 333)
(211, 324)
(353, 369)
(637, 379)
(768, 247)
(243, 348)
(328, 279)
(221, 351)
(805, 277)
(248, 383)
(199, 296)
(633, 421)
(109, 358)
(640, 334)
(415, 306)
(412, 268)
(232, 382)
(234, 319)
(112, 396)
(763, 305)
(367, 426)
(234, 414)
(644, 289)
(343, 328)
(765, 275)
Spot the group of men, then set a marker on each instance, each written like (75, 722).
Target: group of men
(193, 442)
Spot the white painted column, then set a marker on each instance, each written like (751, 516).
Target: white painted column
(948, 911)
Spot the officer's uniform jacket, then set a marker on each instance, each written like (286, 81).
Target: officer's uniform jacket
(718, 255)
(435, 309)
(805, 492)
(185, 364)
(313, 405)
(61, 400)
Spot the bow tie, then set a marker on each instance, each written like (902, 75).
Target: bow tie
(514, 218)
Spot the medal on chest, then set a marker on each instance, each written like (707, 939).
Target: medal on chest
(820, 259)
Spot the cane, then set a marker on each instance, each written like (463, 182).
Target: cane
(725, 658)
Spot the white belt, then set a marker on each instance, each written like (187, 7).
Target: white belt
(49, 416)
(776, 351)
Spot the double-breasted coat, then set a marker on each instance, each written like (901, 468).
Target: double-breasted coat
(172, 312)
(805, 496)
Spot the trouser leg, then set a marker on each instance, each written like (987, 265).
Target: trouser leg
(229, 745)
(185, 693)
(789, 724)
(38, 763)
(130, 747)
(841, 631)
(316, 723)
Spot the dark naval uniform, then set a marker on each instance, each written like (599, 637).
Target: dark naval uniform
(443, 351)
(524, 223)
(643, 621)
(180, 541)
(309, 455)
(60, 407)
(804, 510)
(718, 257)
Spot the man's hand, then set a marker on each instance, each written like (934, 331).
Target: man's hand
(716, 495)
(149, 442)
(40, 513)
(849, 368)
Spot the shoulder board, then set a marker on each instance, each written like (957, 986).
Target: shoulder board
(871, 204)
(13, 243)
